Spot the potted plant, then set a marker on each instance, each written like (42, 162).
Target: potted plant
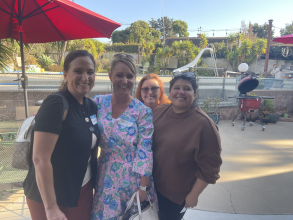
(210, 106)
(269, 112)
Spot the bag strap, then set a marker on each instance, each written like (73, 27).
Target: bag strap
(138, 202)
(65, 104)
(95, 104)
(65, 111)
(130, 201)
(28, 129)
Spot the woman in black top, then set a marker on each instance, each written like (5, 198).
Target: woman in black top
(59, 184)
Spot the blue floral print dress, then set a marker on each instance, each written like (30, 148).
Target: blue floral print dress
(125, 155)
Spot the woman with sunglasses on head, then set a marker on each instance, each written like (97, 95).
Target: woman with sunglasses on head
(186, 146)
(126, 160)
(150, 91)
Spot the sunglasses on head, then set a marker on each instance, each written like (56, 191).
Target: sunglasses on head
(187, 74)
(153, 89)
(120, 55)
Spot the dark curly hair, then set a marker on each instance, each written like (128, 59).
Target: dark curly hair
(188, 76)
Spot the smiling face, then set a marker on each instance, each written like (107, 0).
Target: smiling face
(122, 78)
(150, 92)
(80, 77)
(182, 95)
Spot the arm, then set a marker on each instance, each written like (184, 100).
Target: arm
(208, 160)
(44, 144)
(47, 130)
(143, 162)
(192, 197)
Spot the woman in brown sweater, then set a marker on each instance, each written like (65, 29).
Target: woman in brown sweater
(186, 148)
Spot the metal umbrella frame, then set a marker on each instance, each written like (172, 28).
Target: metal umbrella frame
(51, 19)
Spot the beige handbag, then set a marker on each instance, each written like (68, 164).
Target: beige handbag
(21, 145)
(149, 213)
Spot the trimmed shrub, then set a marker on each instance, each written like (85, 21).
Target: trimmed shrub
(102, 65)
(55, 68)
(122, 48)
(45, 61)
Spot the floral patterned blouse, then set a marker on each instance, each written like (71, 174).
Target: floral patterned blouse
(126, 155)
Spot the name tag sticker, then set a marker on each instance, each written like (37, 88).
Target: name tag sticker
(94, 119)
(125, 123)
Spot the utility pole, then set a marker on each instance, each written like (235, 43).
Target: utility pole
(268, 47)
(163, 23)
(64, 49)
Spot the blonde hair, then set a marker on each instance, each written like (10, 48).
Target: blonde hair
(128, 62)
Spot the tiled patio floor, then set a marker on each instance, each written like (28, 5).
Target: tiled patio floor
(16, 211)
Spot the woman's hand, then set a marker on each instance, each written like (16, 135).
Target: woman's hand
(55, 213)
(191, 201)
(142, 195)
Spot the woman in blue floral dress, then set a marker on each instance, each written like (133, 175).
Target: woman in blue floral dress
(126, 159)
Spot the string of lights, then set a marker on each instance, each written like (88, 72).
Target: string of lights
(201, 30)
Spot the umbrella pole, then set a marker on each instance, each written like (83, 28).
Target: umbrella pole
(24, 79)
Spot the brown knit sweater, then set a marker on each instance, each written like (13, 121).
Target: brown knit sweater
(186, 146)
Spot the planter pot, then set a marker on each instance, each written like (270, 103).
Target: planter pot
(268, 83)
(260, 86)
(254, 117)
(265, 120)
(273, 118)
(215, 118)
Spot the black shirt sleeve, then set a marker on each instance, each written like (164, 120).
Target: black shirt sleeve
(49, 116)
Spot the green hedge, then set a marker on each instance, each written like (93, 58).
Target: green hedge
(125, 48)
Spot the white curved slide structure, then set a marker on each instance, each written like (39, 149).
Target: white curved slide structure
(195, 61)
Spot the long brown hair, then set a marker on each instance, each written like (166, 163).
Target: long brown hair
(163, 99)
(70, 57)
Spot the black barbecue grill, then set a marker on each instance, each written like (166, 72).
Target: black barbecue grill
(248, 105)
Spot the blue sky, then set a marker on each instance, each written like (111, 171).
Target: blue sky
(207, 14)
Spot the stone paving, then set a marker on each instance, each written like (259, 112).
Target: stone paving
(255, 184)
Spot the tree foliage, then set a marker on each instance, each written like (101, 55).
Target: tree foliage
(184, 51)
(122, 48)
(137, 32)
(45, 61)
(241, 49)
(122, 36)
(6, 55)
(146, 49)
(158, 26)
(163, 56)
(203, 41)
(287, 30)
(261, 31)
(180, 27)
(95, 47)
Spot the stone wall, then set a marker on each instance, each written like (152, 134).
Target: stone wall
(9, 100)
(283, 100)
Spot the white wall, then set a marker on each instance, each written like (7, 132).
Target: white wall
(257, 67)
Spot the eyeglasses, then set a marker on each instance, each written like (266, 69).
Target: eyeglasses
(153, 89)
(187, 74)
(120, 55)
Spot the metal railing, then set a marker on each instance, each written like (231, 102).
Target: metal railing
(8, 174)
(208, 86)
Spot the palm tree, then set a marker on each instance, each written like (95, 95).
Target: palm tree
(5, 56)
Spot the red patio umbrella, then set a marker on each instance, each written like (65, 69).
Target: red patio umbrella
(287, 39)
(41, 21)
